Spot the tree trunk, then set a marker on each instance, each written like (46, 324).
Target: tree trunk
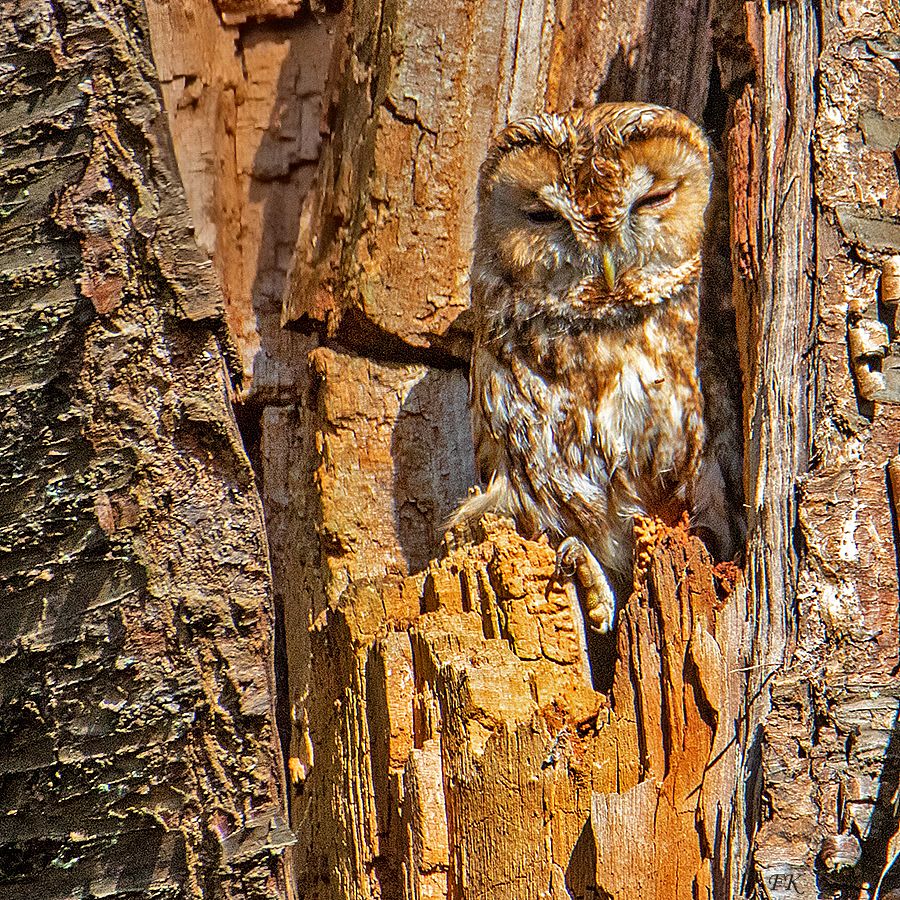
(444, 738)
(139, 750)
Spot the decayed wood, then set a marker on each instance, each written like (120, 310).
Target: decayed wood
(452, 724)
(377, 714)
(646, 832)
(486, 855)
(471, 748)
(243, 103)
(139, 753)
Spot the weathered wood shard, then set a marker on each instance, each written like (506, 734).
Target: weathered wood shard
(676, 693)
(444, 704)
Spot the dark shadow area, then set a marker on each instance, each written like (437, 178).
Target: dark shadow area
(718, 357)
(663, 67)
(582, 867)
(753, 785)
(361, 335)
(282, 690)
(602, 656)
(148, 862)
(151, 855)
(892, 492)
(249, 421)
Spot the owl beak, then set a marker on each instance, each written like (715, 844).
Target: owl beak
(609, 270)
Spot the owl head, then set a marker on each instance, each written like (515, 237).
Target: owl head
(592, 204)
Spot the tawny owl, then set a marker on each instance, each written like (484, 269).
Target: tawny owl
(585, 396)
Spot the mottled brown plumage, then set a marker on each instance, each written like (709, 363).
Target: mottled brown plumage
(585, 398)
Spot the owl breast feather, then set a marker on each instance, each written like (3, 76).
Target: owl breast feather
(581, 431)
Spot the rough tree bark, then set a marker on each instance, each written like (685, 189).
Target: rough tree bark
(443, 740)
(138, 748)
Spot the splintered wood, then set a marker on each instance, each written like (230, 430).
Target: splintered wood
(474, 748)
(673, 687)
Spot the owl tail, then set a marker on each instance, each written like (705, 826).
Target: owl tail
(716, 514)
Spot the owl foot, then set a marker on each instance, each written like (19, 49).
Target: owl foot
(573, 559)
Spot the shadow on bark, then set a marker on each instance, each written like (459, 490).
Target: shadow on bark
(433, 459)
(582, 864)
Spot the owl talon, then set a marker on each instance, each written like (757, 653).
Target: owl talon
(567, 556)
(573, 559)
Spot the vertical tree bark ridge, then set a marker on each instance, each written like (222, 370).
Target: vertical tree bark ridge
(767, 65)
(139, 749)
(829, 754)
(779, 309)
(244, 106)
(415, 93)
